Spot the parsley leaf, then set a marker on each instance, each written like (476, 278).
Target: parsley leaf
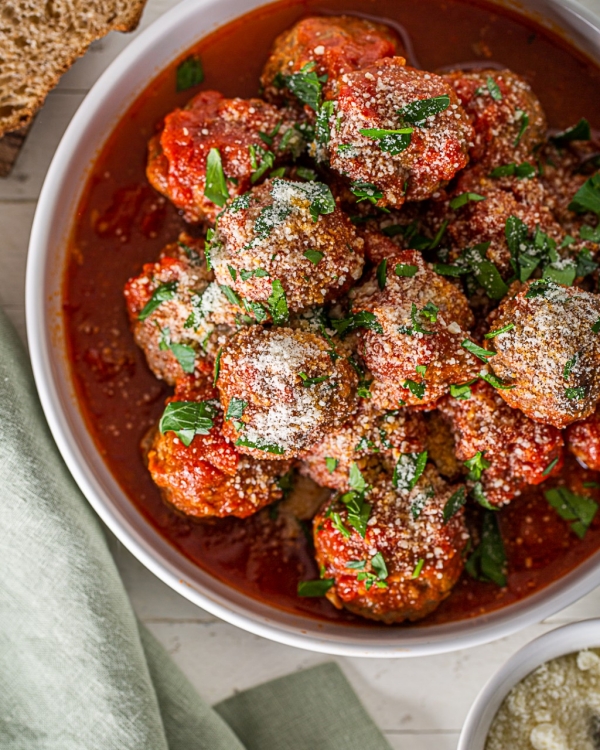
(189, 73)
(390, 141)
(217, 367)
(579, 509)
(306, 85)
(331, 464)
(495, 381)
(314, 256)
(162, 293)
(575, 393)
(307, 382)
(362, 319)
(315, 588)
(524, 118)
(417, 112)
(461, 200)
(587, 198)
(408, 470)
(494, 89)
(215, 188)
(478, 351)
(235, 409)
(488, 561)
(366, 191)
(476, 465)
(260, 445)
(187, 419)
(356, 481)
(570, 365)
(418, 568)
(417, 389)
(462, 391)
(454, 503)
(277, 303)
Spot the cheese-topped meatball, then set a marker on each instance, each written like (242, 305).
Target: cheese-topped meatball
(507, 116)
(198, 470)
(417, 327)
(290, 234)
(371, 437)
(404, 557)
(397, 132)
(177, 315)
(212, 150)
(500, 447)
(284, 389)
(549, 356)
(325, 46)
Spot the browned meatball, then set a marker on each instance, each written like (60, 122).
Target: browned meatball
(404, 560)
(287, 389)
(203, 474)
(583, 440)
(508, 119)
(369, 438)
(287, 233)
(399, 133)
(413, 345)
(549, 356)
(176, 314)
(223, 135)
(326, 46)
(503, 450)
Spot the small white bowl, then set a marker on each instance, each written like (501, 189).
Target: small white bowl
(566, 640)
(148, 54)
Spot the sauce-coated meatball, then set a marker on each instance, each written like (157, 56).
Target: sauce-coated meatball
(518, 450)
(284, 389)
(370, 437)
(291, 232)
(398, 166)
(549, 356)
(417, 352)
(228, 131)
(209, 477)
(583, 440)
(508, 119)
(409, 557)
(330, 45)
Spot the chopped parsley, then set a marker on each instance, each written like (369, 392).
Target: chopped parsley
(417, 389)
(390, 141)
(461, 200)
(215, 187)
(550, 467)
(494, 89)
(478, 351)
(524, 120)
(277, 303)
(261, 446)
(356, 481)
(418, 568)
(462, 391)
(366, 191)
(314, 256)
(306, 174)
(480, 496)
(307, 382)
(495, 381)
(577, 393)
(315, 588)
(579, 132)
(488, 561)
(261, 161)
(382, 274)
(217, 367)
(596, 326)
(235, 409)
(579, 509)
(505, 329)
(408, 470)
(162, 293)
(188, 418)
(189, 73)
(522, 171)
(331, 464)
(231, 295)
(406, 270)
(258, 273)
(570, 365)
(362, 319)
(322, 132)
(306, 85)
(476, 465)
(454, 503)
(417, 112)
(587, 198)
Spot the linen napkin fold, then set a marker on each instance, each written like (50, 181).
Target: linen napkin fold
(77, 672)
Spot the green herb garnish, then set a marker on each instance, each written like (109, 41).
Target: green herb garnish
(314, 256)
(408, 470)
(189, 73)
(215, 188)
(188, 418)
(162, 293)
(390, 141)
(488, 561)
(478, 351)
(315, 588)
(277, 303)
(454, 503)
(461, 200)
(579, 509)
(417, 112)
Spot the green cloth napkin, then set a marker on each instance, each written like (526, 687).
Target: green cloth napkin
(77, 671)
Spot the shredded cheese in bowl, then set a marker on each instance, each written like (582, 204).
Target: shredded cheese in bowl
(556, 707)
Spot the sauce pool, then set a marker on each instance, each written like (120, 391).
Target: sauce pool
(122, 223)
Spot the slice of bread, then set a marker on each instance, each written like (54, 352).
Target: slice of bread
(40, 39)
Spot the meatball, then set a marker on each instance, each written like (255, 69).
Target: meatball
(417, 325)
(404, 561)
(369, 438)
(287, 233)
(399, 133)
(326, 46)
(583, 440)
(287, 389)
(508, 119)
(177, 314)
(549, 355)
(208, 476)
(223, 136)
(503, 449)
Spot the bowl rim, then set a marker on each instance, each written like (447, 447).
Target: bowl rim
(65, 424)
(568, 639)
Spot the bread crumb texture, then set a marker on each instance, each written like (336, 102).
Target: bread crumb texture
(40, 40)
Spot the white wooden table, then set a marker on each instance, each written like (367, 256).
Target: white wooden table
(420, 704)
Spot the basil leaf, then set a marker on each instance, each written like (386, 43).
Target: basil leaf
(277, 303)
(587, 198)
(162, 293)
(488, 561)
(315, 588)
(366, 191)
(488, 277)
(417, 112)
(185, 355)
(417, 389)
(418, 568)
(495, 381)
(356, 564)
(524, 125)
(565, 273)
(454, 503)
(406, 270)
(307, 382)
(322, 131)
(356, 481)
(498, 331)
(260, 445)
(306, 85)
(579, 132)
(379, 566)
(331, 464)
(306, 174)
(390, 141)
(478, 351)
(322, 200)
(187, 419)
(235, 409)
(362, 319)
(462, 392)
(408, 470)
(382, 274)
(215, 188)
(217, 367)
(314, 256)
(571, 507)
(461, 200)
(189, 73)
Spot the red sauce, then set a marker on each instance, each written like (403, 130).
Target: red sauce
(122, 223)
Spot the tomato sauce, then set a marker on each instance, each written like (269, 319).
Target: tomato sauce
(122, 223)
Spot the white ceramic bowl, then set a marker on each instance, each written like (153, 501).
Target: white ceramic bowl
(566, 640)
(149, 53)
